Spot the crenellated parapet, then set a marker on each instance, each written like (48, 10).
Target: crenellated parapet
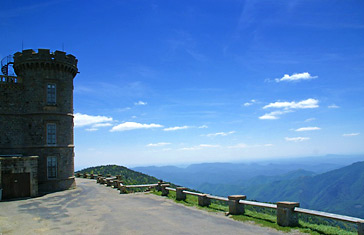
(44, 59)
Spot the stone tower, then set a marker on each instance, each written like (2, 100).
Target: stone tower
(36, 115)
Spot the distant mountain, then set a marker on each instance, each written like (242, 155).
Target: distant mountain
(339, 191)
(252, 183)
(316, 184)
(197, 175)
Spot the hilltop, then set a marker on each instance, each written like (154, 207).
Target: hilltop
(128, 176)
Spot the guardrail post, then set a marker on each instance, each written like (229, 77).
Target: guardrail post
(203, 200)
(122, 189)
(115, 184)
(286, 216)
(360, 227)
(120, 184)
(165, 191)
(235, 208)
(158, 187)
(99, 179)
(102, 180)
(180, 195)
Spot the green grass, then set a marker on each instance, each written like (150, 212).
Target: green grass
(262, 217)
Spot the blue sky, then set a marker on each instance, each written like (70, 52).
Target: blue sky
(179, 82)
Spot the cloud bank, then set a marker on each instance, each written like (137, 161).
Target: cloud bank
(295, 77)
(304, 104)
(93, 122)
(287, 107)
(351, 134)
(127, 126)
(296, 139)
(158, 144)
(220, 134)
(176, 128)
(309, 128)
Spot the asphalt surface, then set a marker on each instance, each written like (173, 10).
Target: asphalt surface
(97, 209)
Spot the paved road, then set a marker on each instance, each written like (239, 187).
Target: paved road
(96, 209)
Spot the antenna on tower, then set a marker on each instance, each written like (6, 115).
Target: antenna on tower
(62, 46)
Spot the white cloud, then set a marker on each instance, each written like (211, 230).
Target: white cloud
(82, 120)
(102, 125)
(351, 134)
(122, 109)
(126, 126)
(273, 115)
(304, 104)
(249, 103)
(310, 119)
(198, 147)
(209, 146)
(295, 77)
(296, 139)
(333, 106)
(203, 126)
(158, 144)
(309, 128)
(240, 146)
(189, 148)
(91, 129)
(220, 134)
(140, 103)
(176, 128)
(288, 107)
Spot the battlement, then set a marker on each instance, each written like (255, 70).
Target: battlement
(58, 60)
(44, 55)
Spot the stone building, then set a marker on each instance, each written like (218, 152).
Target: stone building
(36, 123)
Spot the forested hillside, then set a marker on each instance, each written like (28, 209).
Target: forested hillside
(128, 176)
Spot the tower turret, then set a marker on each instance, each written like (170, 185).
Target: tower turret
(38, 115)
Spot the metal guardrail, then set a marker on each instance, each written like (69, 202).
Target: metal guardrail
(171, 189)
(329, 215)
(141, 185)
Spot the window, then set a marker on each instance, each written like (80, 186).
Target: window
(51, 94)
(51, 133)
(52, 167)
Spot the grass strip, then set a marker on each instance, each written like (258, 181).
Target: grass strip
(268, 219)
